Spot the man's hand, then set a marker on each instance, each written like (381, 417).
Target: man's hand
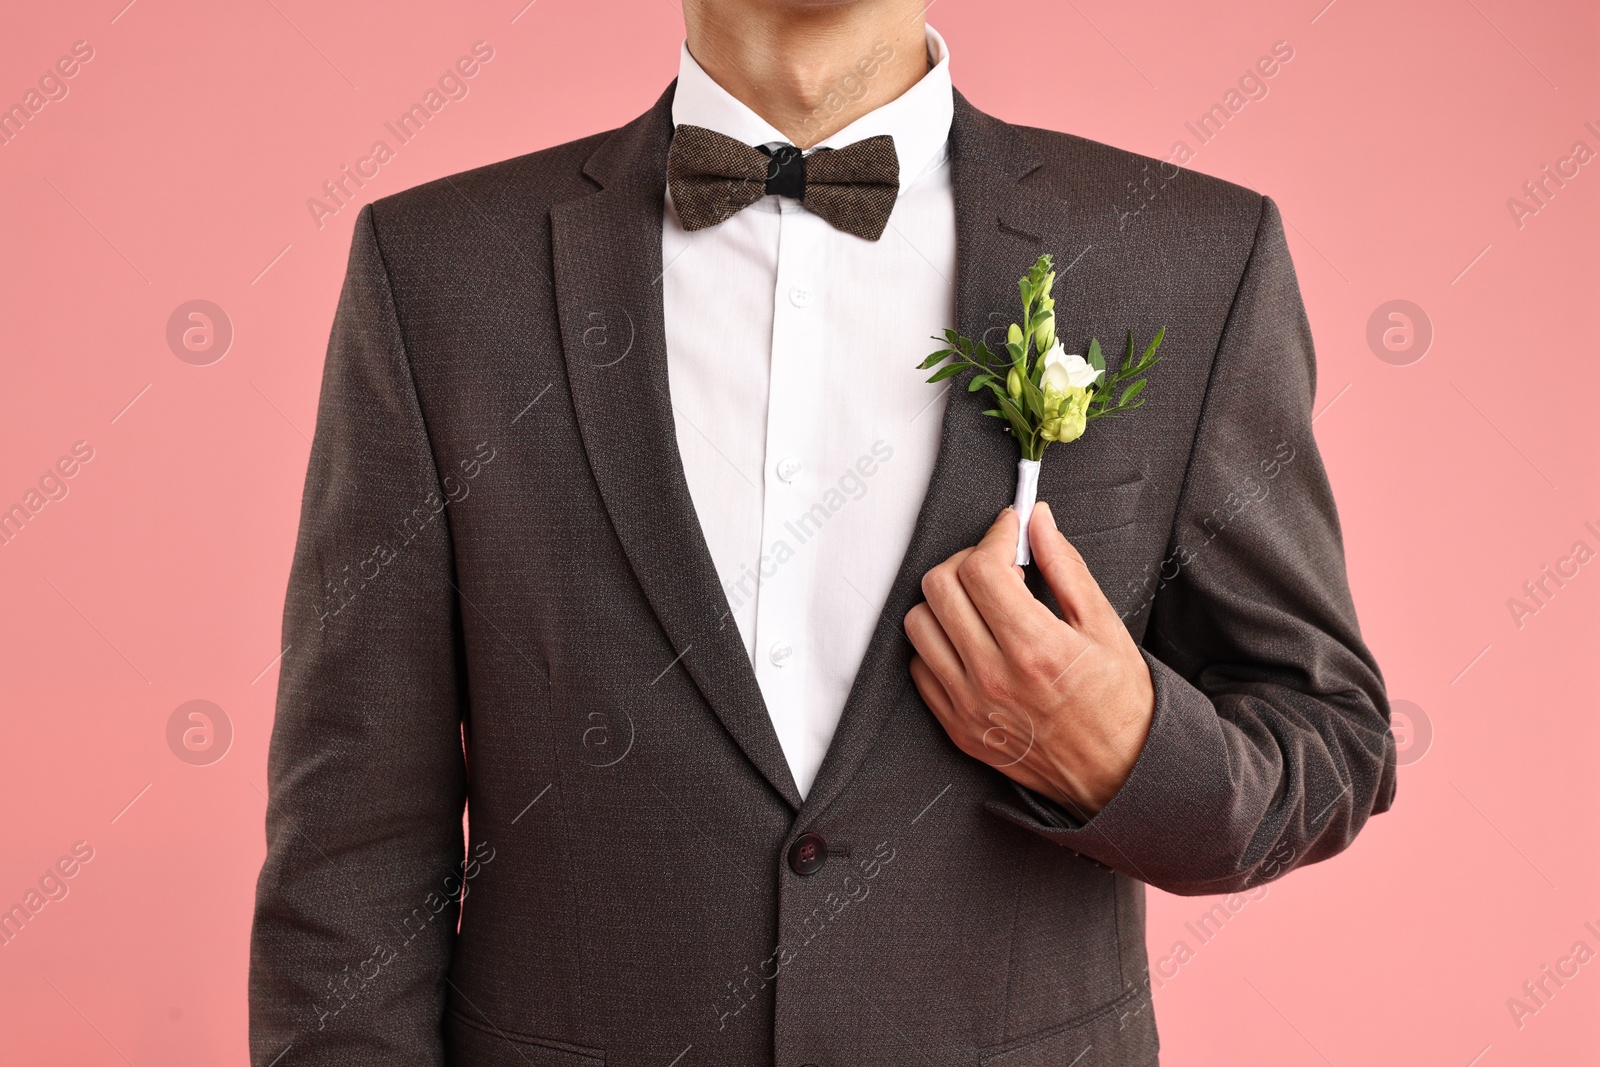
(1061, 707)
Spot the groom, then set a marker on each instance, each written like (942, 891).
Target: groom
(633, 533)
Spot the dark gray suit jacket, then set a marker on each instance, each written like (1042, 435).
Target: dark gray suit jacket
(501, 602)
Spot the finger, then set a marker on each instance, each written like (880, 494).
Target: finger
(995, 585)
(962, 621)
(933, 645)
(933, 691)
(1064, 570)
(962, 730)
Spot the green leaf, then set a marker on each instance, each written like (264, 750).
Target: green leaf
(1130, 392)
(947, 372)
(1155, 343)
(1019, 421)
(936, 358)
(996, 413)
(1022, 433)
(1034, 397)
(979, 381)
(1128, 364)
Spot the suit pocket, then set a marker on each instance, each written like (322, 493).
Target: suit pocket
(1119, 1034)
(474, 1043)
(1083, 511)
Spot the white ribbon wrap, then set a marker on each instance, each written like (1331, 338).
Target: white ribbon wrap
(1027, 493)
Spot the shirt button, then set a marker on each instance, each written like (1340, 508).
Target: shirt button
(788, 468)
(800, 296)
(781, 653)
(808, 853)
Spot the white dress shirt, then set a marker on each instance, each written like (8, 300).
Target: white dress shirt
(807, 432)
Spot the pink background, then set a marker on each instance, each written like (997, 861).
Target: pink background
(178, 167)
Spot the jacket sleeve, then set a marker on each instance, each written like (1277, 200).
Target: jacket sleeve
(1270, 746)
(356, 904)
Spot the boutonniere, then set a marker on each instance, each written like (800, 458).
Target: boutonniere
(1045, 394)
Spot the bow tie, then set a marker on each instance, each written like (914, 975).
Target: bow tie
(713, 177)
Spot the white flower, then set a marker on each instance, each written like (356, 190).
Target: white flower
(1063, 371)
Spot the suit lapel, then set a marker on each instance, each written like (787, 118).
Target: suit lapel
(607, 260)
(1001, 228)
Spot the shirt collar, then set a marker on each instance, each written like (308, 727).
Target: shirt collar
(918, 119)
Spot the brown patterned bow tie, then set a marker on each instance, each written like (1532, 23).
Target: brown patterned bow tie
(713, 177)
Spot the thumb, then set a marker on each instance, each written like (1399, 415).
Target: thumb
(1062, 567)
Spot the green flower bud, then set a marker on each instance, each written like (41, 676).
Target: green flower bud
(1014, 383)
(1044, 338)
(1014, 335)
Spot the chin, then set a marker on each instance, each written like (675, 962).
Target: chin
(804, 5)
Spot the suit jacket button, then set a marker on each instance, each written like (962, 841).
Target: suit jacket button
(808, 853)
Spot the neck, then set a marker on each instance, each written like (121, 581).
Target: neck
(809, 69)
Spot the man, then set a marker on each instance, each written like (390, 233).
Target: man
(632, 530)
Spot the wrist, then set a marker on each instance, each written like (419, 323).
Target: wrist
(1104, 760)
